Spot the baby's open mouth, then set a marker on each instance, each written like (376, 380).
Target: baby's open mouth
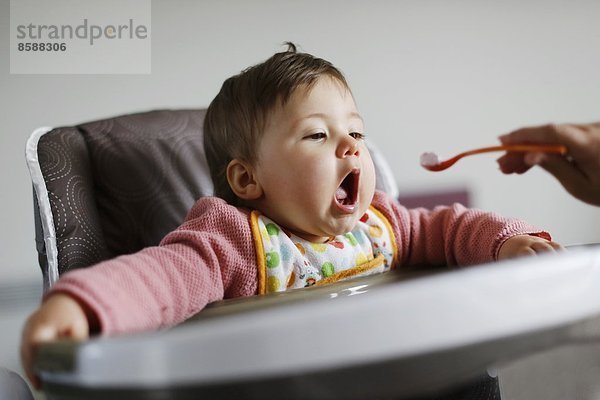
(346, 194)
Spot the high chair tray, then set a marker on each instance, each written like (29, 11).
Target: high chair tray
(392, 335)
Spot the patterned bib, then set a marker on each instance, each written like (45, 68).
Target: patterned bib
(286, 261)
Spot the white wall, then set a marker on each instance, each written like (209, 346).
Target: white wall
(428, 75)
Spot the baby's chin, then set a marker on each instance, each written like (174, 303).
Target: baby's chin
(326, 233)
(347, 225)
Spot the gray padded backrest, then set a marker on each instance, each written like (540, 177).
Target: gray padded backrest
(117, 185)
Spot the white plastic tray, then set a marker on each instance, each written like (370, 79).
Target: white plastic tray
(389, 335)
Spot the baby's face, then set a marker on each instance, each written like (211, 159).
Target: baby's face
(314, 168)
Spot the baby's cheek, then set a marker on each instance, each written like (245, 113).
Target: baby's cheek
(368, 184)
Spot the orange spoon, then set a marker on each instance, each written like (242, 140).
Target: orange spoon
(432, 162)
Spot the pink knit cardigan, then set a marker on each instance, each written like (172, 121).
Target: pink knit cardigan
(211, 256)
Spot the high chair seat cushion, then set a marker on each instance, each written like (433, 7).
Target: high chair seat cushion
(114, 186)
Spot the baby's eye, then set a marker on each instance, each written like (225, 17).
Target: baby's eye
(316, 136)
(357, 135)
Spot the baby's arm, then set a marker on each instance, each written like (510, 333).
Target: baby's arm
(456, 235)
(211, 256)
(59, 317)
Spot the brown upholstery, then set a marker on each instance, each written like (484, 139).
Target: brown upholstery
(120, 184)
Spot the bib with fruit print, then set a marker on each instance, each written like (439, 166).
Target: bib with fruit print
(286, 261)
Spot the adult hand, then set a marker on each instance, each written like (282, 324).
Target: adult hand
(578, 172)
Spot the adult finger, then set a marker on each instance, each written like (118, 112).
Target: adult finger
(534, 134)
(574, 137)
(513, 162)
(550, 134)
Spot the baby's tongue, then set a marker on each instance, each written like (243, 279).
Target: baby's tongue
(341, 194)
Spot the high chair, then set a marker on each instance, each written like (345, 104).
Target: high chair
(114, 186)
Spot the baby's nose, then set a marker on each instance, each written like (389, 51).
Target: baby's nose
(348, 147)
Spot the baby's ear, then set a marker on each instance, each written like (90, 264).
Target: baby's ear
(242, 181)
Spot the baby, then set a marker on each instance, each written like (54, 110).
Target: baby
(296, 207)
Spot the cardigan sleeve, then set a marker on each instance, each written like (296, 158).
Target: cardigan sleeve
(449, 235)
(208, 258)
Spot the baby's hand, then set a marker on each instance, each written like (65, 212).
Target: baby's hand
(59, 317)
(526, 245)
